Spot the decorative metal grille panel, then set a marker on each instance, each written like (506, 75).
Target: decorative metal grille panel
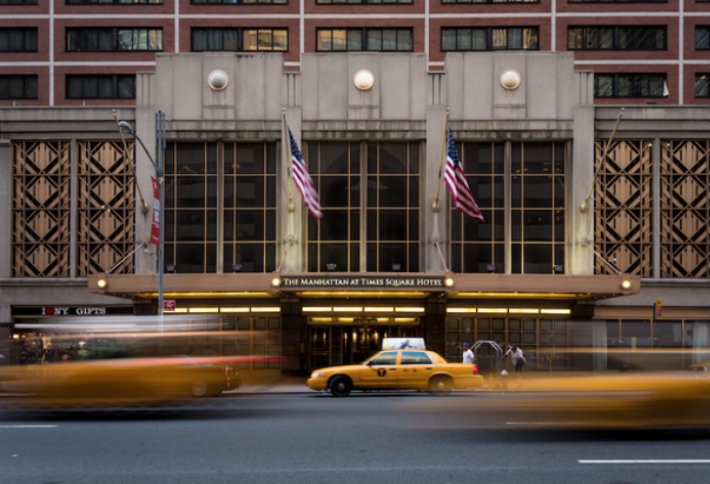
(41, 208)
(105, 207)
(685, 209)
(624, 207)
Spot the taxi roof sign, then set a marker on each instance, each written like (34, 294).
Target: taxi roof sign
(402, 343)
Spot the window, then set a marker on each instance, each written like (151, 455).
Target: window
(702, 37)
(616, 38)
(220, 198)
(239, 40)
(113, 2)
(362, 2)
(489, 38)
(617, 1)
(489, 1)
(415, 358)
(101, 86)
(375, 40)
(19, 2)
(374, 182)
(22, 39)
(383, 359)
(235, 2)
(630, 85)
(535, 184)
(702, 84)
(114, 39)
(18, 87)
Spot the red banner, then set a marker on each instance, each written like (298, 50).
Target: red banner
(155, 228)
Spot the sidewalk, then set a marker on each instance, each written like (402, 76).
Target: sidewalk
(272, 384)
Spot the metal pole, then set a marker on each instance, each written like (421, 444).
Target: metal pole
(159, 151)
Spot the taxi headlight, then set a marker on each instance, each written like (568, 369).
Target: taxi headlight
(318, 374)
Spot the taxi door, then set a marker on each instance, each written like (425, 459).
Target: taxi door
(415, 370)
(381, 371)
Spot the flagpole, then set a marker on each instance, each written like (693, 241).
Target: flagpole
(435, 205)
(584, 206)
(286, 140)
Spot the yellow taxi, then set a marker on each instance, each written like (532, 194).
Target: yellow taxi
(403, 369)
(116, 382)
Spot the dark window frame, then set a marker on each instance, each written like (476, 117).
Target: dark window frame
(219, 37)
(28, 84)
(26, 36)
(117, 84)
(365, 37)
(589, 34)
(489, 38)
(702, 85)
(618, 1)
(364, 2)
(108, 39)
(635, 79)
(468, 2)
(114, 2)
(702, 37)
(239, 2)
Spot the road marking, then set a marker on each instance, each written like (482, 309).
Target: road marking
(26, 426)
(644, 461)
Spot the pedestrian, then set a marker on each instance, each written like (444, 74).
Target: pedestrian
(517, 357)
(468, 356)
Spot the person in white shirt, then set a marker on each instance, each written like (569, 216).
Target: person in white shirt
(516, 357)
(468, 357)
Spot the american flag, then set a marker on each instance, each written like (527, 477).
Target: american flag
(303, 181)
(456, 181)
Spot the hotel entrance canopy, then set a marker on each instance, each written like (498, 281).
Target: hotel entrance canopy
(373, 285)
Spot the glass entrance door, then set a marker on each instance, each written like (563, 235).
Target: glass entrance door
(344, 345)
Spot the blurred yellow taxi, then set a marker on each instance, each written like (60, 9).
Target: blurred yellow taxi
(605, 400)
(405, 369)
(116, 382)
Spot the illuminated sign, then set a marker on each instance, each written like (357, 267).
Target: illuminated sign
(70, 310)
(361, 282)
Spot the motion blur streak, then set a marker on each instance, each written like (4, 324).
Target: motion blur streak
(128, 362)
(587, 401)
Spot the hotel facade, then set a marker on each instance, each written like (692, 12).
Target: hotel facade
(583, 129)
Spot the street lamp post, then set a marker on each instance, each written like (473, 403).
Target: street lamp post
(157, 163)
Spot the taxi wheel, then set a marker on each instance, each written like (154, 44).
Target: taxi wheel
(199, 388)
(440, 384)
(340, 386)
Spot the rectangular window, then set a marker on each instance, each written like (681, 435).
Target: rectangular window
(220, 198)
(616, 38)
(114, 39)
(702, 37)
(630, 85)
(373, 40)
(371, 187)
(21, 39)
(19, 2)
(488, 1)
(239, 40)
(101, 86)
(237, 2)
(489, 38)
(617, 1)
(18, 87)
(363, 2)
(113, 2)
(702, 84)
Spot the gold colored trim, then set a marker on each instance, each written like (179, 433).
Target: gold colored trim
(367, 294)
